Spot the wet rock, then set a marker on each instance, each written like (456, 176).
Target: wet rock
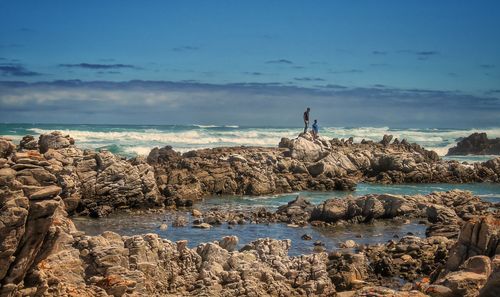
(196, 213)
(348, 244)
(306, 237)
(202, 226)
(296, 211)
(179, 221)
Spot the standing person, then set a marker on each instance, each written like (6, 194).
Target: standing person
(315, 129)
(306, 119)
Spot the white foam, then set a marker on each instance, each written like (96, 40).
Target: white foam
(140, 141)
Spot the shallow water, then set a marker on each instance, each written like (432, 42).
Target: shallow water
(133, 224)
(379, 232)
(487, 191)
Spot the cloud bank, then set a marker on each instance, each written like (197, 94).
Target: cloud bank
(250, 104)
(11, 69)
(98, 66)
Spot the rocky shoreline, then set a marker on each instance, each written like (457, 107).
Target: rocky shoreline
(43, 254)
(97, 183)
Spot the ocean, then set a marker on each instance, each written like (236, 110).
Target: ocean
(132, 140)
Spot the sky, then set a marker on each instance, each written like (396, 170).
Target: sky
(256, 63)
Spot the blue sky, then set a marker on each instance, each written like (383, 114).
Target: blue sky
(341, 57)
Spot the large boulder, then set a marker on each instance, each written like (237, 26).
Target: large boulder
(54, 140)
(107, 180)
(6, 147)
(305, 148)
(28, 143)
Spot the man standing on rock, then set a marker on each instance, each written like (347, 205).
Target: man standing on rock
(306, 119)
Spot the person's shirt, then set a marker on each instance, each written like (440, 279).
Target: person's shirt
(315, 127)
(306, 116)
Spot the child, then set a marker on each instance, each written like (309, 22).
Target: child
(315, 129)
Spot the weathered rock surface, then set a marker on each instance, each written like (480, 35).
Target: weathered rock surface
(304, 163)
(41, 253)
(476, 144)
(472, 267)
(445, 210)
(97, 183)
(32, 216)
(94, 183)
(54, 140)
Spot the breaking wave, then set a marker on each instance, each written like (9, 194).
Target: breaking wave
(139, 140)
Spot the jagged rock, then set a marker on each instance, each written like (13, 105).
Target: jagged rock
(476, 144)
(469, 266)
(438, 207)
(6, 147)
(386, 140)
(54, 140)
(229, 243)
(28, 143)
(479, 236)
(410, 257)
(296, 211)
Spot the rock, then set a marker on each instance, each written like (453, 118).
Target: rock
(386, 140)
(463, 283)
(196, 213)
(28, 143)
(163, 227)
(45, 193)
(6, 147)
(229, 243)
(348, 244)
(438, 291)
(202, 226)
(492, 286)
(440, 208)
(306, 237)
(479, 236)
(179, 221)
(54, 140)
(296, 211)
(476, 144)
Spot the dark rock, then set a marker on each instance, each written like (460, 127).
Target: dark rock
(386, 140)
(476, 144)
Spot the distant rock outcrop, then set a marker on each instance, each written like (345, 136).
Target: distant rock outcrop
(476, 144)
